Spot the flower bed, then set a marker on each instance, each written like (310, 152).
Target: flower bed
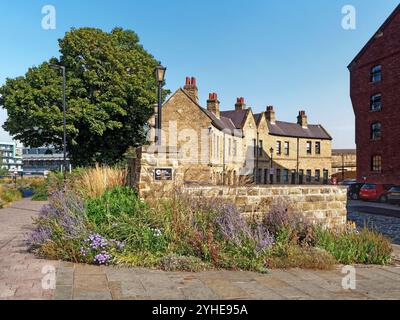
(192, 234)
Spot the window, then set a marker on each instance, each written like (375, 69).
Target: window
(376, 102)
(308, 176)
(376, 163)
(286, 176)
(254, 147)
(318, 148)
(278, 175)
(286, 148)
(326, 176)
(309, 147)
(229, 146)
(260, 148)
(376, 131)
(317, 175)
(278, 148)
(235, 148)
(376, 74)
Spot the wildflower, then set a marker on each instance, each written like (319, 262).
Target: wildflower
(102, 258)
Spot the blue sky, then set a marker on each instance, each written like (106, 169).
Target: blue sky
(291, 54)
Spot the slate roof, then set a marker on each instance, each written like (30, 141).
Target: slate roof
(238, 117)
(288, 129)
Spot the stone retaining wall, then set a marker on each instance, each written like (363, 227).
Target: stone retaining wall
(325, 205)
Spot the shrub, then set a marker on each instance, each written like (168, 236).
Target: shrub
(296, 256)
(60, 228)
(40, 193)
(8, 195)
(95, 181)
(364, 247)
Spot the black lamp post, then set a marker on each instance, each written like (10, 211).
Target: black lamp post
(271, 175)
(62, 68)
(160, 77)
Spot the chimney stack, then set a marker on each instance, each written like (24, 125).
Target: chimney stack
(191, 88)
(302, 119)
(270, 114)
(213, 104)
(240, 104)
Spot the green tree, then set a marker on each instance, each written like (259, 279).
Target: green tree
(110, 93)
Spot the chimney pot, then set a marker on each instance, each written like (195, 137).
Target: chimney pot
(270, 114)
(188, 81)
(193, 82)
(213, 104)
(240, 104)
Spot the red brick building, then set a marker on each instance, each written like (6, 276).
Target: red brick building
(375, 93)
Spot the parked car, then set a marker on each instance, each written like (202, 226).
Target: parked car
(375, 192)
(353, 190)
(393, 195)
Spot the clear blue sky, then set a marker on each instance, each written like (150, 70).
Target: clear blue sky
(289, 53)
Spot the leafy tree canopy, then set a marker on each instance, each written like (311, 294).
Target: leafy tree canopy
(110, 92)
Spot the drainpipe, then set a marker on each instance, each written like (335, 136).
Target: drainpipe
(298, 157)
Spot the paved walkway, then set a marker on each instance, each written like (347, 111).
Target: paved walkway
(21, 276)
(82, 282)
(20, 272)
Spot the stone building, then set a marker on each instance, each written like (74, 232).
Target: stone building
(344, 164)
(237, 146)
(375, 82)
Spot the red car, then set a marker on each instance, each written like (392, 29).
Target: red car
(375, 192)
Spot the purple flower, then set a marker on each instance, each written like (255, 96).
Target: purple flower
(102, 258)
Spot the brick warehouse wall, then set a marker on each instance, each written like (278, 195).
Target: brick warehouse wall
(319, 204)
(384, 50)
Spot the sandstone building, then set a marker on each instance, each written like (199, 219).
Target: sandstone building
(239, 147)
(375, 93)
(344, 164)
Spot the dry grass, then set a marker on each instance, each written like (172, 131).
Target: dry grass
(93, 182)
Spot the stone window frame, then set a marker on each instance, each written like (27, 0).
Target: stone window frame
(285, 175)
(278, 147)
(286, 148)
(308, 175)
(278, 175)
(318, 147)
(317, 175)
(309, 147)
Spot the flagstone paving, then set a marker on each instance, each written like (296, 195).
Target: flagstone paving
(21, 276)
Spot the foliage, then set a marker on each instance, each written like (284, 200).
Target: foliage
(110, 93)
(191, 233)
(93, 182)
(8, 195)
(363, 247)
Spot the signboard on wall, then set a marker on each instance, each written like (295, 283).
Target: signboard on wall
(163, 174)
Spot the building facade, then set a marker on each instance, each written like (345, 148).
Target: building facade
(375, 94)
(240, 147)
(41, 161)
(344, 164)
(10, 158)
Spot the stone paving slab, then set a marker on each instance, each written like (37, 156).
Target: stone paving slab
(21, 273)
(141, 284)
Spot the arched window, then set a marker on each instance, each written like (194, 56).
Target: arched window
(376, 131)
(376, 74)
(376, 163)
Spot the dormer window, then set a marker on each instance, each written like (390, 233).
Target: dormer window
(376, 74)
(376, 102)
(376, 131)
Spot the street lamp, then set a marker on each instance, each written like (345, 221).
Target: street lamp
(62, 68)
(271, 176)
(160, 77)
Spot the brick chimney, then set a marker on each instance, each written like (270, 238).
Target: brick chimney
(213, 104)
(302, 119)
(240, 104)
(191, 88)
(270, 114)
